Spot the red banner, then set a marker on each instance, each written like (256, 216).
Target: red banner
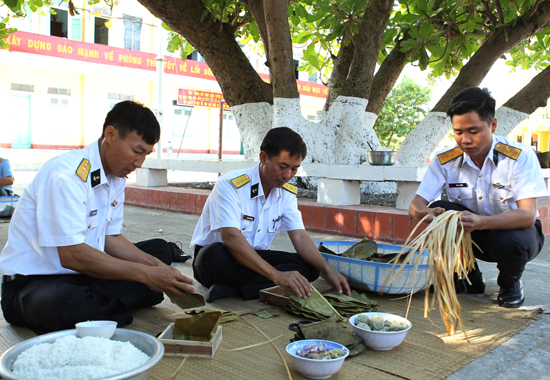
(200, 98)
(96, 53)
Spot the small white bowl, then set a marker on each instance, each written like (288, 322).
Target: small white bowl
(380, 340)
(316, 368)
(102, 329)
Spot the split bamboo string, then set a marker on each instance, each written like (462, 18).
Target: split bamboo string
(449, 252)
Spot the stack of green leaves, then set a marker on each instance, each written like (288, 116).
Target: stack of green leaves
(348, 306)
(315, 307)
(331, 306)
(359, 251)
(226, 315)
(332, 331)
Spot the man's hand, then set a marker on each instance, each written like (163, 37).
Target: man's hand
(470, 221)
(169, 280)
(338, 282)
(294, 280)
(433, 212)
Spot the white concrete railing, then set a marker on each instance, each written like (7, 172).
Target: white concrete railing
(337, 184)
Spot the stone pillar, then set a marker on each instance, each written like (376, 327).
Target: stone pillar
(407, 191)
(151, 177)
(338, 192)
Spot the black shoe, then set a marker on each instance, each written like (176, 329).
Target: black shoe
(218, 291)
(178, 256)
(512, 296)
(477, 285)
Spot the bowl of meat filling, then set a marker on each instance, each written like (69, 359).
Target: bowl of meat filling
(317, 359)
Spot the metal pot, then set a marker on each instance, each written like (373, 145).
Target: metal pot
(381, 157)
(145, 342)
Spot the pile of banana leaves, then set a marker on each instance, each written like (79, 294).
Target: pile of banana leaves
(364, 250)
(332, 306)
(332, 331)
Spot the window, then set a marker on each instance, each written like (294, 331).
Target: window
(22, 87)
(227, 116)
(296, 64)
(59, 91)
(59, 23)
(111, 95)
(195, 56)
(520, 139)
(101, 32)
(313, 77)
(132, 32)
(181, 121)
(63, 25)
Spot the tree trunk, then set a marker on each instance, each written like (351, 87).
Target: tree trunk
(280, 49)
(339, 74)
(422, 141)
(385, 78)
(239, 82)
(367, 46)
(257, 9)
(502, 40)
(534, 95)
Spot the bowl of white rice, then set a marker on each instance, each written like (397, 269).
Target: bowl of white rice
(63, 355)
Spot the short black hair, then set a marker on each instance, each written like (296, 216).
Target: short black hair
(129, 116)
(473, 99)
(283, 138)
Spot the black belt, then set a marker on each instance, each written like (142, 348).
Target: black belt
(6, 279)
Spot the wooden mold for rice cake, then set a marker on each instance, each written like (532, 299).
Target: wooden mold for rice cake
(189, 348)
(276, 296)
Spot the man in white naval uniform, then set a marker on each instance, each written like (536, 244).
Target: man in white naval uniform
(495, 182)
(66, 260)
(240, 219)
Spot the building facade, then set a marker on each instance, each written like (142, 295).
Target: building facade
(63, 73)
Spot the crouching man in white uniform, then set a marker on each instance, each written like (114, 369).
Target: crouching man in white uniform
(240, 219)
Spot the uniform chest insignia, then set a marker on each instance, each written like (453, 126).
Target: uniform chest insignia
(254, 190)
(114, 203)
(83, 169)
(498, 186)
(293, 189)
(96, 177)
(449, 155)
(508, 151)
(240, 181)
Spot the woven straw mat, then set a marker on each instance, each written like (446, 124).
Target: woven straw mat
(426, 353)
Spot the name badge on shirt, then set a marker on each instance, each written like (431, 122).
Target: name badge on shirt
(248, 217)
(93, 213)
(458, 185)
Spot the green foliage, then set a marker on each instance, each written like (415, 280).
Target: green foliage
(402, 111)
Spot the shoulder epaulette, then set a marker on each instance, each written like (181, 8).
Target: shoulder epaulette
(83, 169)
(1, 160)
(240, 181)
(293, 189)
(449, 155)
(508, 151)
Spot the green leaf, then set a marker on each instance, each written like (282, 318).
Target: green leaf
(12, 4)
(166, 26)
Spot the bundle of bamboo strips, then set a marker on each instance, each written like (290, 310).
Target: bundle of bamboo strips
(449, 252)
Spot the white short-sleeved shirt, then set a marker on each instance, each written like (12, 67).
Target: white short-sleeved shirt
(491, 190)
(243, 205)
(59, 208)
